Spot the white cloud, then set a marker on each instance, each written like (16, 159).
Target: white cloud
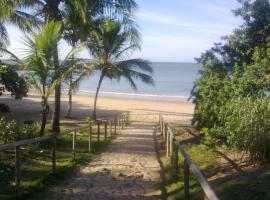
(199, 25)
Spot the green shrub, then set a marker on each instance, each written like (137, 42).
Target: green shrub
(245, 125)
(11, 131)
(4, 108)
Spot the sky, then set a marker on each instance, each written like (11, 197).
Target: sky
(172, 30)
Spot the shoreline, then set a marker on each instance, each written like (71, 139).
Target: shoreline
(29, 108)
(137, 96)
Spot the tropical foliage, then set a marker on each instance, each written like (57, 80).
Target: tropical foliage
(109, 44)
(232, 94)
(39, 63)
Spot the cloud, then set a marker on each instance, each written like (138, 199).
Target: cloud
(200, 25)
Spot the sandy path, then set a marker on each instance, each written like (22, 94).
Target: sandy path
(127, 170)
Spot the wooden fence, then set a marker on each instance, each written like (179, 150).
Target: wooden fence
(111, 126)
(173, 147)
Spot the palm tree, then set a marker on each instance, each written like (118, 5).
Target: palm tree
(39, 63)
(109, 45)
(53, 10)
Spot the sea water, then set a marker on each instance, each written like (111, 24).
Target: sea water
(173, 81)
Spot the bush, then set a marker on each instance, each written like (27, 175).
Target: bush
(4, 108)
(245, 125)
(11, 131)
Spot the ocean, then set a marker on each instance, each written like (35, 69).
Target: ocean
(173, 82)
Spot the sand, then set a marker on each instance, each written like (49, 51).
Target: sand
(29, 108)
(128, 169)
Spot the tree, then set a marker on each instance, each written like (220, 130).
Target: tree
(53, 9)
(110, 44)
(237, 48)
(232, 93)
(39, 63)
(12, 82)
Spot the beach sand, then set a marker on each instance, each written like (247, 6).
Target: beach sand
(144, 110)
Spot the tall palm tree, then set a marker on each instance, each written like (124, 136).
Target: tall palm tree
(53, 10)
(109, 45)
(39, 62)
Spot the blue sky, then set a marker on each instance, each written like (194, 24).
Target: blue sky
(172, 30)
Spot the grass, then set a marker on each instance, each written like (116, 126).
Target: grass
(230, 177)
(37, 180)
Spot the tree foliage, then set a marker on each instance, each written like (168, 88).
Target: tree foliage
(232, 93)
(12, 82)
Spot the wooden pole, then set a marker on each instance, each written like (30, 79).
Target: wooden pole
(98, 132)
(128, 117)
(118, 123)
(123, 121)
(115, 121)
(53, 154)
(186, 181)
(110, 133)
(17, 172)
(168, 142)
(171, 144)
(165, 132)
(74, 144)
(105, 127)
(176, 167)
(90, 138)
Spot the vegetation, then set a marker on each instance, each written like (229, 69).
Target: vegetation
(12, 82)
(39, 63)
(231, 95)
(37, 181)
(37, 11)
(109, 45)
(231, 175)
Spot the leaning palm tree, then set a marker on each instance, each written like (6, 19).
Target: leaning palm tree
(48, 10)
(39, 63)
(109, 45)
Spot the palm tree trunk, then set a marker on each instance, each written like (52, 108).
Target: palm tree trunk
(96, 95)
(70, 85)
(57, 109)
(57, 96)
(53, 6)
(69, 98)
(44, 116)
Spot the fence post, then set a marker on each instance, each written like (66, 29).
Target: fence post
(17, 172)
(118, 123)
(115, 121)
(110, 135)
(74, 144)
(175, 166)
(165, 132)
(161, 126)
(123, 121)
(53, 154)
(168, 141)
(90, 138)
(128, 117)
(171, 144)
(160, 122)
(105, 127)
(186, 180)
(98, 132)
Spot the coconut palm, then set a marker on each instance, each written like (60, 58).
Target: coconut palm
(53, 10)
(109, 45)
(39, 63)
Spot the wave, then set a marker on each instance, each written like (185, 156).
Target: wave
(138, 95)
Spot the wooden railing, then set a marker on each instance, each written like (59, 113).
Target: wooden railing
(172, 149)
(111, 125)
